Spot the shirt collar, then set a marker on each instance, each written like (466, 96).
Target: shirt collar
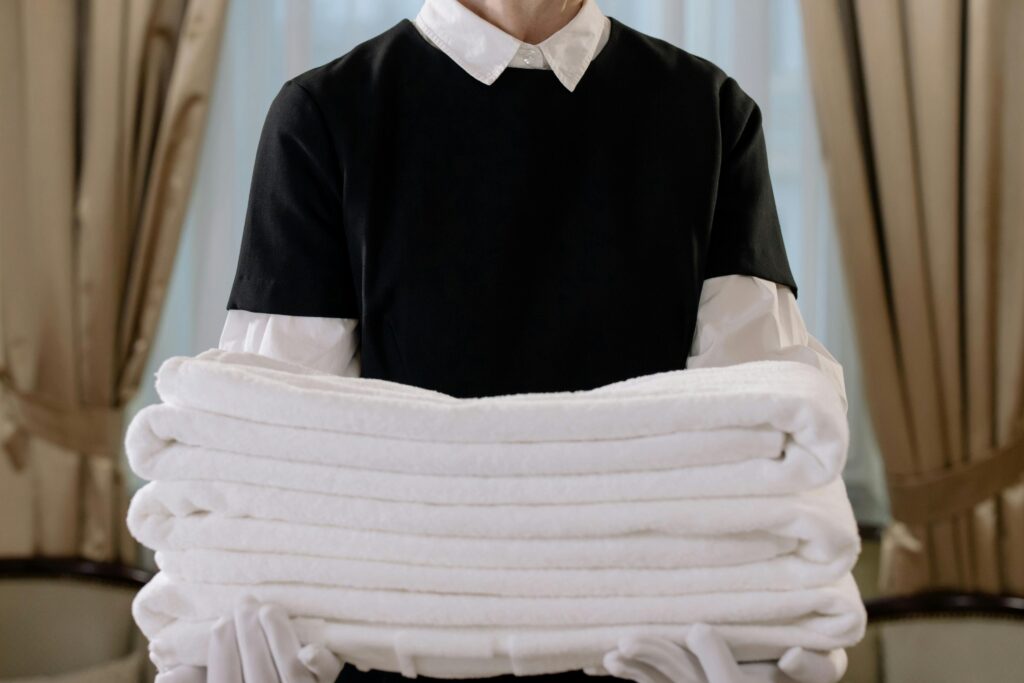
(484, 50)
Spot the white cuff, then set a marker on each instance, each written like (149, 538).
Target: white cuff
(743, 318)
(327, 344)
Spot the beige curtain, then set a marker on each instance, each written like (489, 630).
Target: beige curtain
(102, 104)
(921, 109)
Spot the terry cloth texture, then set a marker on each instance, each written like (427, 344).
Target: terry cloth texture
(416, 532)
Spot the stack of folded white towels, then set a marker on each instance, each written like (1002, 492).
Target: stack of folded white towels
(411, 531)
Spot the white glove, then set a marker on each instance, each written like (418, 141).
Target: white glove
(258, 645)
(707, 659)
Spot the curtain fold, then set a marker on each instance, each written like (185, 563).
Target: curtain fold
(920, 106)
(102, 105)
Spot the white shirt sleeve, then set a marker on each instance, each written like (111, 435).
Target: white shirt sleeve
(740, 318)
(327, 344)
(743, 318)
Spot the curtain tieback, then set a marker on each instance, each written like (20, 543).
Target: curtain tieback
(932, 496)
(92, 430)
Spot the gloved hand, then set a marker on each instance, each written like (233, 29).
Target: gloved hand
(707, 659)
(258, 645)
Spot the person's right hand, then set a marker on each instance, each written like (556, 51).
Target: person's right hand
(706, 658)
(258, 645)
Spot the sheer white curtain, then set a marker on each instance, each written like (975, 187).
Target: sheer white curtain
(758, 42)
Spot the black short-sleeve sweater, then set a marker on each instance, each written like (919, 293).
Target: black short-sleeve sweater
(512, 237)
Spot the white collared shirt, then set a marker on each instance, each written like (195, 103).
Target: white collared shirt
(740, 318)
(483, 50)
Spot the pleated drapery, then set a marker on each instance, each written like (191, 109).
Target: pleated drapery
(102, 108)
(920, 105)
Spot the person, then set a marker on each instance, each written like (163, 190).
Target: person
(508, 196)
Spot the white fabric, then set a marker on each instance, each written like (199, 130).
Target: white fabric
(164, 430)
(500, 571)
(742, 319)
(257, 644)
(794, 444)
(758, 625)
(484, 50)
(326, 344)
(254, 387)
(708, 659)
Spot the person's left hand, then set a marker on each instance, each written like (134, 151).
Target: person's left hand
(706, 658)
(258, 645)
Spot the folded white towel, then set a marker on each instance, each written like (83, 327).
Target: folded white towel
(764, 475)
(240, 568)
(575, 633)
(411, 531)
(482, 652)
(168, 442)
(784, 397)
(777, 565)
(159, 427)
(205, 601)
(645, 551)
(816, 525)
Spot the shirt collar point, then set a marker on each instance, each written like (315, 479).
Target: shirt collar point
(482, 48)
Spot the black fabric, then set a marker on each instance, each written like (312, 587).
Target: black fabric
(293, 255)
(351, 673)
(512, 237)
(746, 238)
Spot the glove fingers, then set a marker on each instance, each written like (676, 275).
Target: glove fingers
(664, 656)
(182, 674)
(624, 667)
(715, 657)
(284, 645)
(321, 662)
(223, 663)
(812, 666)
(257, 662)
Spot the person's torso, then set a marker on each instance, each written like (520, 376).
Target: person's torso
(518, 237)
